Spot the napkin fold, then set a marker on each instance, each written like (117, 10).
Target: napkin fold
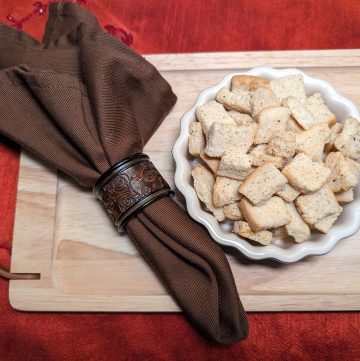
(82, 101)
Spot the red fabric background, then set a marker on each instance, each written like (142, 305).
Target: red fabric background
(161, 26)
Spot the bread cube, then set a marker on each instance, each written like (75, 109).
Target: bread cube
(272, 121)
(271, 214)
(223, 136)
(243, 229)
(283, 145)
(259, 156)
(291, 85)
(196, 139)
(346, 196)
(235, 164)
(343, 173)
(203, 184)
(225, 191)
(239, 101)
(248, 82)
(288, 193)
(293, 126)
(305, 175)
(316, 106)
(261, 184)
(232, 211)
(348, 141)
(240, 118)
(312, 141)
(324, 225)
(263, 98)
(300, 113)
(297, 228)
(334, 131)
(315, 206)
(210, 113)
(212, 163)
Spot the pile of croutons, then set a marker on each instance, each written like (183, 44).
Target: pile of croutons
(273, 159)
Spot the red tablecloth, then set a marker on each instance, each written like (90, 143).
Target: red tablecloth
(160, 26)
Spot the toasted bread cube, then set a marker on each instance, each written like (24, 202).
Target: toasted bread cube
(263, 98)
(225, 191)
(324, 225)
(261, 184)
(305, 175)
(283, 145)
(291, 85)
(235, 164)
(297, 228)
(293, 126)
(232, 211)
(272, 121)
(315, 206)
(288, 193)
(312, 141)
(346, 196)
(223, 136)
(316, 106)
(196, 139)
(348, 141)
(210, 113)
(334, 131)
(300, 113)
(353, 165)
(243, 229)
(212, 163)
(239, 101)
(248, 82)
(343, 173)
(259, 156)
(240, 118)
(271, 214)
(203, 184)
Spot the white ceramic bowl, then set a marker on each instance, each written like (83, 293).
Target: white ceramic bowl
(346, 225)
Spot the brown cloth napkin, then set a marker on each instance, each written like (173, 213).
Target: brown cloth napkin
(82, 101)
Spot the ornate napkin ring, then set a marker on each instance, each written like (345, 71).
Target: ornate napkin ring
(129, 186)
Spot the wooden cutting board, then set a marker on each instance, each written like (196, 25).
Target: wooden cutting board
(62, 233)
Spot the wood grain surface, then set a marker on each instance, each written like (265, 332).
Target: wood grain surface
(62, 233)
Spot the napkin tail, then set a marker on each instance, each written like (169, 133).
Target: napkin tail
(193, 268)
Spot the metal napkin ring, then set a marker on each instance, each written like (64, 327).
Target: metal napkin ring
(129, 186)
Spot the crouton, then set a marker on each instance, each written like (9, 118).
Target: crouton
(235, 164)
(300, 113)
(232, 211)
(263, 98)
(334, 131)
(203, 184)
(196, 139)
(346, 196)
(240, 118)
(210, 113)
(222, 136)
(248, 82)
(316, 106)
(243, 229)
(211, 162)
(305, 175)
(235, 101)
(225, 191)
(271, 214)
(261, 184)
(312, 141)
(297, 228)
(259, 156)
(343, 175)
(272, 121)
(288, 193)
(348, 141)
(315, 206)
(324, 225)
(283, 145)
(291, 85)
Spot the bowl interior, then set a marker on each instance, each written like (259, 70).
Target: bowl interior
(282, 248)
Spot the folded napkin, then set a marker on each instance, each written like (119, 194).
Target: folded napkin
(82, 101)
